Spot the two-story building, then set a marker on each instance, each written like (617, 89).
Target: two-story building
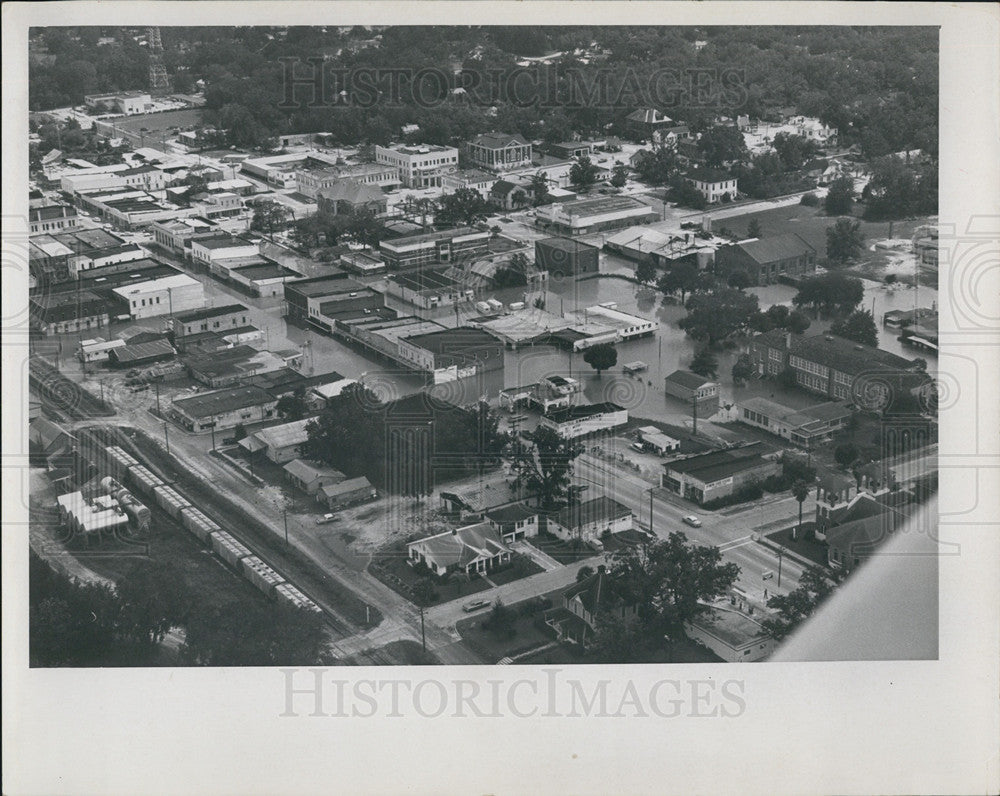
(578, 421)
(444, 246)
(694, 390)
(711, 476)
(346, 196)
(586, 522)
(419, 166)
(500, 152)
(714, 185)
(513, 522)
(451, 354)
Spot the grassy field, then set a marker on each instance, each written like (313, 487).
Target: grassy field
(155, 122)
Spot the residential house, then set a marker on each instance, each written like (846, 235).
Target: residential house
(714, 185)
(513, 522)
(586, 522)
(310, 478)
(473, 549)
(712, 476)
(643, 123)
(587, 601)
(508, 195)
(768, 260)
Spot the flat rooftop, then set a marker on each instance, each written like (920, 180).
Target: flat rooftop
(323, 285)
(221, 401)
(209, 312)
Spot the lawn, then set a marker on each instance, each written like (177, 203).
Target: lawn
(390, 566)
(527, 631)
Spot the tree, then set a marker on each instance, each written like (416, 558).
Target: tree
(743, 369)
(515, 273)
(859, 326)
(601, 357)
(715, 316)
(669, 579)
(645, 272)
(740, 280)
(292, 407)
(239, 432)
(364, 227)
(153, 598)
(464, 206)
(424, 592)
(685, 194)
(617, 640)
(722, 144)
(892, 190)
(705, 363)
(800, 491)
(840, 197)
(538, 186)
(797, 322)
(619, 175)
(583, 573)
(545, 465)
(845, 455)
(793, 150)
(269, 216)
(658, 167)
(844, 240)
(682, 278)
(753, 229)
(583, 174)
(815, 585)
(831, 292)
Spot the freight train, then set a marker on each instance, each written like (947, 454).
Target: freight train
(233, 552)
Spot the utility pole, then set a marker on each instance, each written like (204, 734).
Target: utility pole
(694, 414)
(158, 397)
(284, 516)
(423, 636)
(166, 438)
(212, 429)
(781, 552)
(651, 509)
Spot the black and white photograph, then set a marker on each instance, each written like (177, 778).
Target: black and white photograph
(348, 345)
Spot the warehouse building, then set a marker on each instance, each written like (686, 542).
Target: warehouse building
(768, 260)
(445, 246)
(428, 289)
(210, 319)
(718, 474)
(222, 409)
(586, 216)
(451, 354)
(64, 313)
(164, 296)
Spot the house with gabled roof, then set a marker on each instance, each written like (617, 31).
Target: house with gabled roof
(514, 521)
(472, 549)
(309, 477)
(584, 602)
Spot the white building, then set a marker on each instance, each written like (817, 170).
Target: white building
(96, 350)
(213, 248)
(713, 185)
(577, 421)
(629, 326)
(588, 521)
(421, 166)
(732, 636)
(164, 296)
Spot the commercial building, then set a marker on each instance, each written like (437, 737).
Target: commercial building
(64, 313)
(364, 262)
(265, 279)
(233, 365)
(714, 185)
(451, 354)
(210, 250)
(310, 182)
(281, 443)
(651, 438)
(588, 521)
(427, 248)
(768, 260)
(474, 179)
(473, 549)
(96, 350)
(305, 297)
(128, 208)
(571, 150)
(126, 102)
(578, 421)
(346, 493)
(805, 427)
(663, 249)
(500, 152)
(626, 325)
(310, 478)
(210, 319)
(839, 369)
(428, 288)
(51, 218)
(164, 296)
(586, 216)
(712, 476)
(419, 166)
(136, 355)
(693, 389)
(566, 257)
(175, 235)
(222, 409)
(733, 636)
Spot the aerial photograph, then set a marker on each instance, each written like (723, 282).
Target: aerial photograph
(401, 345)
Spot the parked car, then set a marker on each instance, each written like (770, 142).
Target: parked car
(475, 605)
(692, 520)
(325, 519)
(638, 446)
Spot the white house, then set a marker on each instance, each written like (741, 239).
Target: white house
(714, 185)
(514, 522)
(475, 548)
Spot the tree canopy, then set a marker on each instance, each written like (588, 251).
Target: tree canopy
(545, 464)
(859, 326)
(830, 292)
(601, 357)
(716, 315)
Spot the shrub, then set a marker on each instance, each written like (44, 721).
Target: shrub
(809, 199)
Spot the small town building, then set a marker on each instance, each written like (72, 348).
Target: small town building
(714, 185)
(452, 354)
(586, 216)
(97, 350)
(513, 522)
(578, 421)
(711, 476)
(500, 152)
(586, 522)
(223, 409)
(768, 260)
(164, 296)
(444, 246)
(141, 354)
(65, 313)
(584, 603)
(210, 319)
(693, 389)
(730, 634)
(473, 549)
(566, 257)
(641, 124)
(805, 427)
(309, 477)
(346, 196)
(421, 165)
(346, 493)
(656, 441)
(281, 443)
